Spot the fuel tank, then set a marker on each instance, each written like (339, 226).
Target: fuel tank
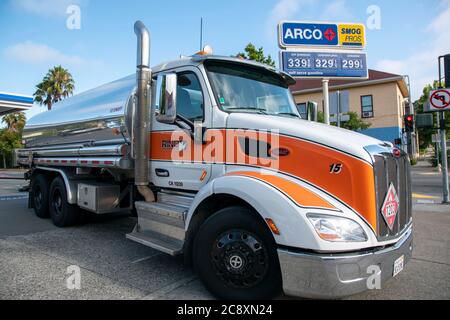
(101, 115)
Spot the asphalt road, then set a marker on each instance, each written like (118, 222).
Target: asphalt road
(35, 255)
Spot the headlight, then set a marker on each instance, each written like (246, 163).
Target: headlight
(337, 229)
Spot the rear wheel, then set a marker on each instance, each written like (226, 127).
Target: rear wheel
(62, 213)
(40, 192)
(235, 256)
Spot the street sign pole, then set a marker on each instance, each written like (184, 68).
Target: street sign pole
(338, 109)
(326, 101)
(444, 159)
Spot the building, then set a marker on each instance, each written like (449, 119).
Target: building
(11, 102)
(381, 100)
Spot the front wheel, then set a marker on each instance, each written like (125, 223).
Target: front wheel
(235, 256)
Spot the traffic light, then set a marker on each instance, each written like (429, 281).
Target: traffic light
(409, 123)
(447, 70)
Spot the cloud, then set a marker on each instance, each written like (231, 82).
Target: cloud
(337, 10)
(422, 65)
(35, 53)
(284, 10)
(291, 10)
(46, 8)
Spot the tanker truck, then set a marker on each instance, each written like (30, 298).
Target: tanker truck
(215, 160)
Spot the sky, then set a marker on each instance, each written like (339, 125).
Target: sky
(34, 35)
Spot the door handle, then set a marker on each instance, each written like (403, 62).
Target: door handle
(162, 173)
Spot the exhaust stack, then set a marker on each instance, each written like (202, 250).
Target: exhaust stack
(140, 135)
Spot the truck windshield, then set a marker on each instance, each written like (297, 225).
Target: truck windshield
(240, 88)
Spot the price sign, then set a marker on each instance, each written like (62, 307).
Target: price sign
(325, 64)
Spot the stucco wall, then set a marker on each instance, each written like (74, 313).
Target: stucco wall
(387, 103)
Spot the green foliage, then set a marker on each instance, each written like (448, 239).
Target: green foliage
(320, 117)
(56, 85)
(413, 161)
(251, 53)
(9, 140)
(15, 121)
(433, 160)
(355, 123)
(425, 135)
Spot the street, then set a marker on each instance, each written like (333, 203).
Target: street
(34, 255)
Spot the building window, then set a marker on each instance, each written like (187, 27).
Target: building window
(301, 107)
(367, 106)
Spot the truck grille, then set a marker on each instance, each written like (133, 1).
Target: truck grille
(396, 170)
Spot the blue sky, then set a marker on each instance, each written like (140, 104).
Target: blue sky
(34, 36)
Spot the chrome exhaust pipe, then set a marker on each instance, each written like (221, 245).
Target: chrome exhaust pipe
(141, 124)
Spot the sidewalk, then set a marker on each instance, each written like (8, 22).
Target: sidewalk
(426, 184)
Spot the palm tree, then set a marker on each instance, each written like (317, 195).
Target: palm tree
(15, 121)
(56, 85)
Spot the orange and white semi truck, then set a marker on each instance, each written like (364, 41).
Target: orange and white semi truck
(215, 159)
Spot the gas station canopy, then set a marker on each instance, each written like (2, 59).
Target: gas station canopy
(12, 102)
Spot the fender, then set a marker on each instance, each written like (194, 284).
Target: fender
(71, 186)
(268, 201)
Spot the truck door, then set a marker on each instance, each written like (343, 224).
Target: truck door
(175, 161)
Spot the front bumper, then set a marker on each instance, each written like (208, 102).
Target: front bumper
(338, 275)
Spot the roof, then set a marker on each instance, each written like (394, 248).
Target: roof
(12, 102)
(375, 77)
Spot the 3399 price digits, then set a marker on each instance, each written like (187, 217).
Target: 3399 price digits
(299, 63)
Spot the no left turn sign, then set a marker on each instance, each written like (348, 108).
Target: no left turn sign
(440, 100)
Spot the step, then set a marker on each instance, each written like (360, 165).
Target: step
(162, 209)
(157, 241)
(175, 199)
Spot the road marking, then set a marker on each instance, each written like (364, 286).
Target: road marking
(426, 201)
(9, 198)
(169, 288)
(424, 196)
(145, 258)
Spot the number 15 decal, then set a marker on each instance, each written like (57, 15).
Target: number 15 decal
(336, 168)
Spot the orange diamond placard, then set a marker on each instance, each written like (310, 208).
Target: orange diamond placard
(390, 207)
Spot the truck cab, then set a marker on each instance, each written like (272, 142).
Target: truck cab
(258, 199)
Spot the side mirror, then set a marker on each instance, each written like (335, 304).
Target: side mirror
(311, 111)
(166, 98)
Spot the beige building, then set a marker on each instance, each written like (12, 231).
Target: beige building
(379, 100)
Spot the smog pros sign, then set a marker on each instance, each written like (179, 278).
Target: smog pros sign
(319, 34)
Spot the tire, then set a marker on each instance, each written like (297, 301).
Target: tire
(62, 213)
(40, 192)
(235, 256)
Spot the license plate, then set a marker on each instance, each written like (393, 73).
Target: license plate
(398, 265)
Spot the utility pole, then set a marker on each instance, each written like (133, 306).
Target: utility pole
(409, 135)
(201, 33)
(444, 159)
(326, 101)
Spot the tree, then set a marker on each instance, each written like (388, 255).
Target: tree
(355, 123)
(9, 140)
(251, 53)
(56, 85)
(425, 135)
(15, 121)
